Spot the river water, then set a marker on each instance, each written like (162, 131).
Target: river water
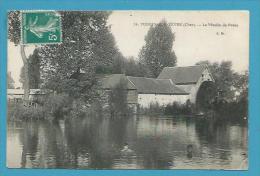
(153, 143)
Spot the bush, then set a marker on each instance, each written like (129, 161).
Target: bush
(52, 107)
(20, 112)
(232, 110)
(170, 109)
(58, 105)
(95, 110)
(176, 109)
(78, 108)
(153, 108)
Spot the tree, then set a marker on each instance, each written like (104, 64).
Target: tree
(118, 99)
(33, 71)
(118, 66)
(230, 86)
(157, 52)
(129, 66)
(227, 81)
(134, 68)
(87, 45)
(14, 35)
(241, 86)
(105, 49)
(10, 81)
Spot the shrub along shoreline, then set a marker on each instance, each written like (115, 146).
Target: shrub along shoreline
(61, 106)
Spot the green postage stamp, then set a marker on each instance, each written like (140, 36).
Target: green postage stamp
(41, 27)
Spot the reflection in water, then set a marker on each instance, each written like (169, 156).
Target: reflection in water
(155, 143)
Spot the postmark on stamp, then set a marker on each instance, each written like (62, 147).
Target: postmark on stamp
(41, 27)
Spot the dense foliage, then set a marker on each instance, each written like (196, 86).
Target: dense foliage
(157, 52)
(14, 27)
(228, 83)
(230, 88)
(129, 66)
(87, 44)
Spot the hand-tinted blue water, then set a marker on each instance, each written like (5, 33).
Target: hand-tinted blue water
(135, 143)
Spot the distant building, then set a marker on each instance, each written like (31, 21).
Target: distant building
(18, 94)
(190, 79)
(174, 84)
(145, 91)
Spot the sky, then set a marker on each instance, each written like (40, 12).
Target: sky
(199, 35)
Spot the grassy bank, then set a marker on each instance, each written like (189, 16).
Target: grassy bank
(61, 106)
(51, 108)
(17, 111)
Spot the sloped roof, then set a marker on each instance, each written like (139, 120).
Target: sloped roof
(155, 86)
(111, 81)
(182, 75)
(142, 84)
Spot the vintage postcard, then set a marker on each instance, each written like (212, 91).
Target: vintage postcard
(128, 89)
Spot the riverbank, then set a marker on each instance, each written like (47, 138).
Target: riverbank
(52, 112)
